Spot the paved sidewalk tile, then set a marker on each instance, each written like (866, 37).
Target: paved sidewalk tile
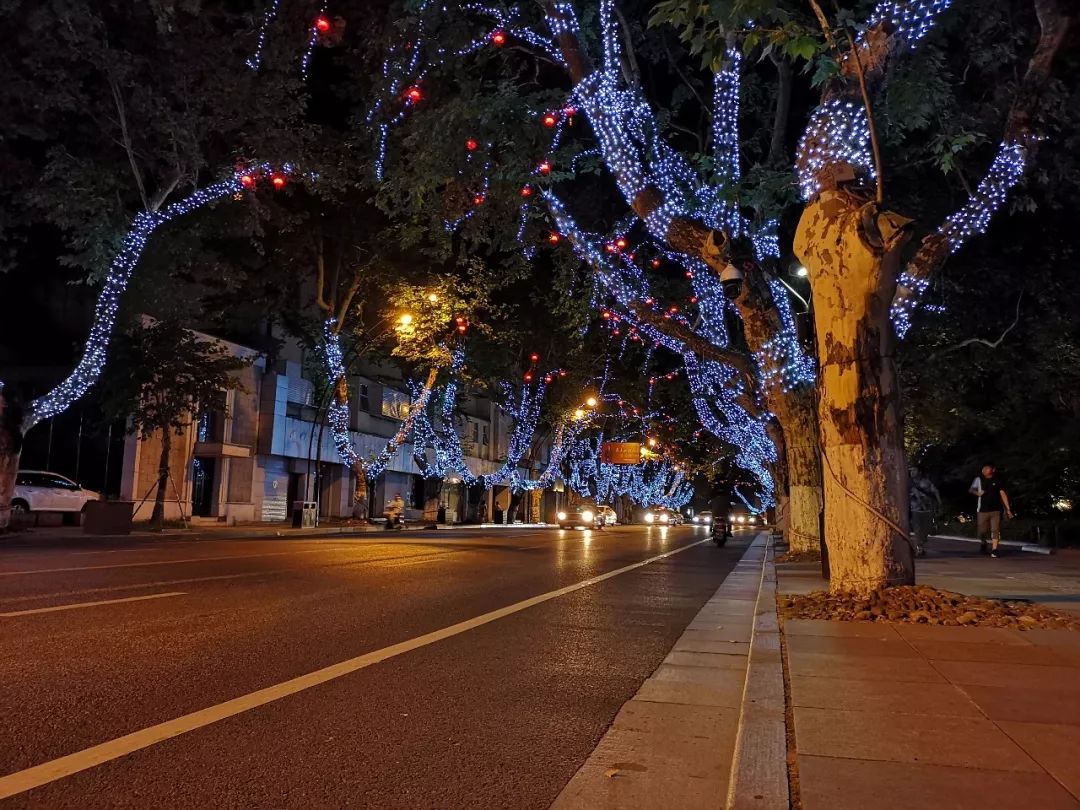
(882, 696)
(851, 784)
(1063, 679)
(990, 653)
(706, 660)
(1008, 702)
(868, 668)
(961, 635)
(959, 741)
(820, 627)
(832, 645)
(693, 644)
(1054, 746)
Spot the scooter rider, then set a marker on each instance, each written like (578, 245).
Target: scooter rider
(395, 511)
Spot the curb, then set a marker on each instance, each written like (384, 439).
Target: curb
(759, 775)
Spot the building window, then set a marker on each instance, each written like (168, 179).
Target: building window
(484, 435)
(395, 404)
(363, 398)
(476, 432)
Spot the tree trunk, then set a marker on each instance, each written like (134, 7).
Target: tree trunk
(360, 492)
(796, 413)
(157, 517)
(851, 249)
(10, 449)
(794, 410)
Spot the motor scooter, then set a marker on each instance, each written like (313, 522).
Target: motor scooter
(720, 531)
(395, 522)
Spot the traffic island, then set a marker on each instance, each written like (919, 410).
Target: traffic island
(909, 711)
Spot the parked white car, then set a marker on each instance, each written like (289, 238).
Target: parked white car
(39, 491)
(607, 514)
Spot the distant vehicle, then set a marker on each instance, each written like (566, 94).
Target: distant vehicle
(607, 515)
(581, 516)
(703, 518)
(663, 517)
(741, 517)
(40, 491)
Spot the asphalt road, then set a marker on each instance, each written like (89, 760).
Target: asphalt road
(498, 712)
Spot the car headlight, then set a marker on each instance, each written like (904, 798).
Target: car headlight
(562, 515)
(708, 520)
(740, 519)
(649, 517)
(751, 519)
(664, 518)
(587, 516)
(697, 520)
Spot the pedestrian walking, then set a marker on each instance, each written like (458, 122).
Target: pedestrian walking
(924, 503)
(993, 500)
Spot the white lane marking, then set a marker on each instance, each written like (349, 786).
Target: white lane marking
(55, 769)
(356, 563)
(76, 605)
(165, 562)
(327, 545)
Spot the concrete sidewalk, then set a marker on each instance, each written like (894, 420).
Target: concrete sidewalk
(690, 736)
(911, 716)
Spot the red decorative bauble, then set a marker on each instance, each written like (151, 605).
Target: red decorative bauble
(247, 181)
(414, 94)
(547, 379)
(498, 38)
(478, 199)
(693, 299)
(655, 264)
(554, 238)
(562, 373)
(620, 243)
(322, 24)
(528, 376)
(689, 274)
(471, 144)
(278, 180)
(605, 315)
(610, 247)
(544, 168)
(569, 112)
(526, 191)
(534, 357)
(549, 120)
(648, 300)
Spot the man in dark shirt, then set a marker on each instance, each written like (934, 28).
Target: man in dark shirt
(992, 500)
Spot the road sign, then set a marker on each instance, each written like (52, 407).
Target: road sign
(621, 453)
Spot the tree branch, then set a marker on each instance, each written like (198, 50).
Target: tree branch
(992, 344)
(783, 106)
(1054, 25)
(125, 137)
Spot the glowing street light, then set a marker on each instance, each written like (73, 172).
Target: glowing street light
(432, 297)
(591, 402)
(405, 319)
(801, 271)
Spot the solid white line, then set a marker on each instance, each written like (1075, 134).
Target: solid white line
(61, 767)
(55, 608)
(165, 562)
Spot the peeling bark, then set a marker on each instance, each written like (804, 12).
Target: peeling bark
(851, 249)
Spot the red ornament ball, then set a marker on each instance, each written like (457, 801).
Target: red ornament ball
(247, 181)
(526, 191)
(534, 357)
(554, 238)
(471, 144)
(549, 120)
(278, 180)
(544, 168)
(478, 199)
(528, 376)
(414, 94)
(322, 24)
(655, 264)
(498, 38)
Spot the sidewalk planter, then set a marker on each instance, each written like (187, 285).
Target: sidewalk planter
(108, 517)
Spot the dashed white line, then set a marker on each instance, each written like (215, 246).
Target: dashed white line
(78, 605)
